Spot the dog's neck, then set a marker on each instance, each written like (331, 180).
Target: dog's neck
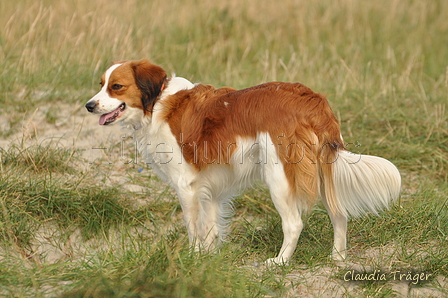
(174, 85)
(170, 87)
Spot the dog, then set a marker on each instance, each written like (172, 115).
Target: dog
(211, 143)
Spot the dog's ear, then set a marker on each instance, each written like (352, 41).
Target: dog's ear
(150, 80)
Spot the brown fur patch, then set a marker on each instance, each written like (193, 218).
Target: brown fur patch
(206, 122)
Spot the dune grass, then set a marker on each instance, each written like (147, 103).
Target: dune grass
(382, 64)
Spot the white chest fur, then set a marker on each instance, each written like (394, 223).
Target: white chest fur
(158, 146)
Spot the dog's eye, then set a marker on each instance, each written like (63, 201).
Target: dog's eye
(117, 86)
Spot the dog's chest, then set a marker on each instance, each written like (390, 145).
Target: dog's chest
(159, 149)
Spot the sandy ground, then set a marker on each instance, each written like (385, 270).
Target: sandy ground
(75, 128)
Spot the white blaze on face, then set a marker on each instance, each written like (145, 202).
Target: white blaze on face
(105, 103)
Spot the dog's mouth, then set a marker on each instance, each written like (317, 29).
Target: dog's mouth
(109, 118)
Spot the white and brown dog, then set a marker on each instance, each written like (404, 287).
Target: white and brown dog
(211, 143)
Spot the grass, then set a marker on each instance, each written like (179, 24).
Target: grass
(74, 228)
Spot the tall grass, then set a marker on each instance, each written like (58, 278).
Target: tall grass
(382, 64)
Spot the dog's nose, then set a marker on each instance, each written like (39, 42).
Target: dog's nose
(90, 106)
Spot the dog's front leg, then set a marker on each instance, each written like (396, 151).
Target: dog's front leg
(200, 216)
(190, 208)
(200, 220)
(190, 219)
(208, 226)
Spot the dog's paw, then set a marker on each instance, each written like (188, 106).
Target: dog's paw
(278, 261)
(338, 256)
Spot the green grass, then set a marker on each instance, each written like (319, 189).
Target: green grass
(71, 230)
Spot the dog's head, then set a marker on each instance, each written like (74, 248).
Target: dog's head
(128, 88)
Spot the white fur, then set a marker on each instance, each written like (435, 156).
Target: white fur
(175, 85)
(364, 183)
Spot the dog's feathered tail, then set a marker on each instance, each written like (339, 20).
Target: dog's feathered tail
(354, 184)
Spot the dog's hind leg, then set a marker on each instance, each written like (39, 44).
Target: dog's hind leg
(273, 174)
(339, 222)
(287, 207)
(292, 226)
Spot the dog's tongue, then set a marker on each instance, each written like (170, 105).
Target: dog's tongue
(104, 117)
